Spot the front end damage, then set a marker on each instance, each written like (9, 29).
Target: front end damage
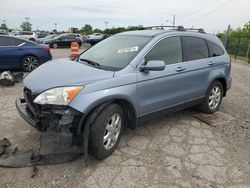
(60, 119)
(64, 121)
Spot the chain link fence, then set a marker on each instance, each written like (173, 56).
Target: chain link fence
(237, 46)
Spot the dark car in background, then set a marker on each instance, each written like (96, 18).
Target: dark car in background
(63, 40)
(44, 39)
(21, 54)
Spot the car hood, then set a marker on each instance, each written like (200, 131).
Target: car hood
(63, 72)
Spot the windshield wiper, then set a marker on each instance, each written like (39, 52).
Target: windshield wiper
(91, 62)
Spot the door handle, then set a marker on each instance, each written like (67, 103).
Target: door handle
(211, 63)
(179, 69)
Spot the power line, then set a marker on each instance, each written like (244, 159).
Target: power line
(197, 9)
(211, 11)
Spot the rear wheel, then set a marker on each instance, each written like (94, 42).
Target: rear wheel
(106, 131)
(54, 45)
(30, 63)
(213, 98)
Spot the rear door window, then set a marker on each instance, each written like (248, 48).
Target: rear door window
(169, 50)
(194, 48)
(214, 49)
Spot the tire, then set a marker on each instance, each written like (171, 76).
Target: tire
(54, 45)
(30, 63)
(213, 98)
(109, 122)
(33, 40)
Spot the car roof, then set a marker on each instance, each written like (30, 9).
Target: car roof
(22, 39)
(162, 32)
(151, 32)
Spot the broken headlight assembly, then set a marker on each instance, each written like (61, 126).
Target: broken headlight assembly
(58, 96)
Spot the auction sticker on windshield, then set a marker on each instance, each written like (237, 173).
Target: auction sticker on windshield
(130, 49)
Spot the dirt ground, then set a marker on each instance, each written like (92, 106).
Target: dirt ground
(173, 151)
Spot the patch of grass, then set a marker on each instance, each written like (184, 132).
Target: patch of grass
(242, 58)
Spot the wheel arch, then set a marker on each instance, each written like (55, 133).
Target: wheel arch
(223, 81)
(98, 107)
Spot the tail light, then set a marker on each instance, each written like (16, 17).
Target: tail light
(47, 49)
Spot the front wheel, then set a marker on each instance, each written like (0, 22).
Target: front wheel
(106, 130)
(213, 98)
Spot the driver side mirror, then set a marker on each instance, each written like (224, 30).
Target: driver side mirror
(153, 65)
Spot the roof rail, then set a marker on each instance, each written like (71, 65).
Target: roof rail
(177, 28)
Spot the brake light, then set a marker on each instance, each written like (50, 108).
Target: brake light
(47, 49)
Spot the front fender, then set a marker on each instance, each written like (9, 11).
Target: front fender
(85, 102)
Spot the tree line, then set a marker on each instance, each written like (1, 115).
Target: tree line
(237, 41)
(87, 29)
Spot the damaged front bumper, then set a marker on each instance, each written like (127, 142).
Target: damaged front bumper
(43, 117)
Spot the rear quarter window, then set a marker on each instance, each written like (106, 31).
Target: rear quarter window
(194, 48)
(214, 49)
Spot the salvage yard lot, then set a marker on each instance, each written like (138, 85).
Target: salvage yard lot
(173, 151)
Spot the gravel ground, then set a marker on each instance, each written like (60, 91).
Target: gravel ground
(237, 104)
(173, 151)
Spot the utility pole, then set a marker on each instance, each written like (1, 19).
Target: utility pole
(227, 37)
(106, 23)
(173, 20)
(27, 22)
(55, 26)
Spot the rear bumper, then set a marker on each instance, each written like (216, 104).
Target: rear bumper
(21, 107)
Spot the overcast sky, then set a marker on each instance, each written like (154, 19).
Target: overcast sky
(212, 15)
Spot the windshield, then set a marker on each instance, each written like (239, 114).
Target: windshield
(116, 52)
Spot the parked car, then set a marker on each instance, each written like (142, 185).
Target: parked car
(124, 80)
(20, 54)
(41, 35)
(78, 36)
(63, 40)
(95, 38)
(32, 36)
(3, 33)
(48, 37)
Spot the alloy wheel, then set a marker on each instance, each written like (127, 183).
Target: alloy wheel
(214, 97)
(30, 63)
(112, 131)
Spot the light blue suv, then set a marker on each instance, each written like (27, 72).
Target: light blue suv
(124, 80)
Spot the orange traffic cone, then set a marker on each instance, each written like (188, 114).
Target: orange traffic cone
(74, 49)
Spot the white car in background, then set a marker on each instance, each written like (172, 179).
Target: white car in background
(32, 36)
(78, 36)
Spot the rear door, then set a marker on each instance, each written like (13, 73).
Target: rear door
(197, 66)
(9, 53)
(68, 40)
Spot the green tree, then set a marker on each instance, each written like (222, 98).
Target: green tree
(3, 26)
(87, 29)
(97, 30)
(26, 26)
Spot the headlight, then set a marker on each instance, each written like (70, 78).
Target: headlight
(58, 96)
